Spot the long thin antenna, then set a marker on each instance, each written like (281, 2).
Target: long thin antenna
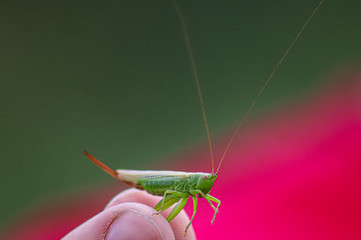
(264, 86)
(195, 74)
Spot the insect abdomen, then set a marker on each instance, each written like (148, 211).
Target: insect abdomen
(157, 186)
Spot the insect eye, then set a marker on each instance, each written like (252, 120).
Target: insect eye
(205, 177)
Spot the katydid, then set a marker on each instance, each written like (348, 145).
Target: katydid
(174, 186)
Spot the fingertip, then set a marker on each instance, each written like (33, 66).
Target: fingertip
(136, 221)
(124, 221)
(178, 224)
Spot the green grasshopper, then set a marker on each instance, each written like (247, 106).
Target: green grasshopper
(175, 186)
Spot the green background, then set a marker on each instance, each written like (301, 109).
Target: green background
(113, 77)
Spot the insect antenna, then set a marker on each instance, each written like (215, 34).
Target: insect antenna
(266, 83)
(195, 74)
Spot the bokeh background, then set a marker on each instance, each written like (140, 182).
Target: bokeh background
(114, 78)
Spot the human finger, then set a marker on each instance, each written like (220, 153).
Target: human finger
(178, 224)
(124, 221)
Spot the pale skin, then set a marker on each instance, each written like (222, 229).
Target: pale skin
(128, 211)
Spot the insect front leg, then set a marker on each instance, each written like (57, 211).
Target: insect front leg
(211, 198)
(199, 192)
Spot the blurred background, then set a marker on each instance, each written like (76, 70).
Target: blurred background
(114, 78)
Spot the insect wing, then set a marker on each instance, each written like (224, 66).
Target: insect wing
(135, 175)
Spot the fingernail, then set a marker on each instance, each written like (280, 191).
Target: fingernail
(131, 224)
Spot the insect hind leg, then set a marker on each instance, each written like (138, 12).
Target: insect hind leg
(170, 201)
(167, 201)
(176, 210)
